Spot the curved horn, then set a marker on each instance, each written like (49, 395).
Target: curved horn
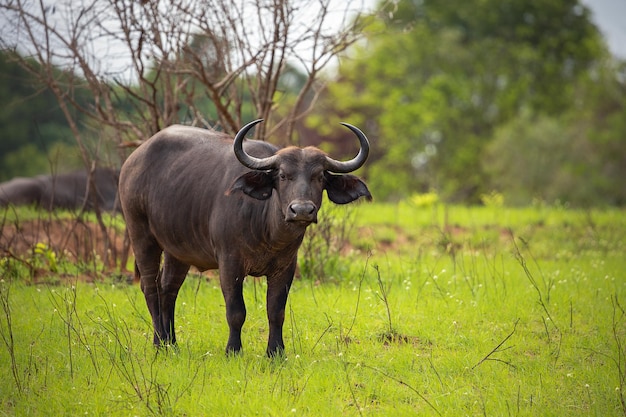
(341, 167)
(250, 161)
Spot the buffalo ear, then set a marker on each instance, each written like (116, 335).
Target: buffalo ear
(256, 184)
(344, 189)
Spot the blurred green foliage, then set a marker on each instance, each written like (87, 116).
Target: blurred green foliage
(465, 98)
(35, 137)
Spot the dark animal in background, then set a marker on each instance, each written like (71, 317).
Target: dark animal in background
(201, 199)
(64, 191)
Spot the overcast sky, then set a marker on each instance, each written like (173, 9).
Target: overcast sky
(610, 17)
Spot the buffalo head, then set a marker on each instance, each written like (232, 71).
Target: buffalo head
(299, 175)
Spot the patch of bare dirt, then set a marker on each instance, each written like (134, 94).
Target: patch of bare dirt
(74, 240)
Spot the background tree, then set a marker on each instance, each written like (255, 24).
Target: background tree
(34, 132)
(435, 79)
(578, 157)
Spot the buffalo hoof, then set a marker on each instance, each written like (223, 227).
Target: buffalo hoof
(233, 351)
(276, 353)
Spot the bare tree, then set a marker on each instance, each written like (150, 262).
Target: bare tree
(149, 64)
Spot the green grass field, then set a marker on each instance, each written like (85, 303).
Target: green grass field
(428, 310)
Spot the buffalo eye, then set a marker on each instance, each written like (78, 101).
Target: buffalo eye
(319, 177)
(285, 176)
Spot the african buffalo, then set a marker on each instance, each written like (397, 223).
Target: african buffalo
(201, 199)
(64, 191)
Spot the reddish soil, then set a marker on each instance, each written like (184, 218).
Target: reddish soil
(71, 239)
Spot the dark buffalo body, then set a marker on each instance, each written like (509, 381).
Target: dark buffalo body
(64, 191)
(186, 196)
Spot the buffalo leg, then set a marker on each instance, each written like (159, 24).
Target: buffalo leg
(277, 291)
(231, 281)
(173, 276)
(147, 261)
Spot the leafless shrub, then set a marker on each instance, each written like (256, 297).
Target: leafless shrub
(319, 258)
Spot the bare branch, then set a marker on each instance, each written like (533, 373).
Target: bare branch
(497, 349)
(151, 64)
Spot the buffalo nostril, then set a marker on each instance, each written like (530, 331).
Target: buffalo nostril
(308, 208)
